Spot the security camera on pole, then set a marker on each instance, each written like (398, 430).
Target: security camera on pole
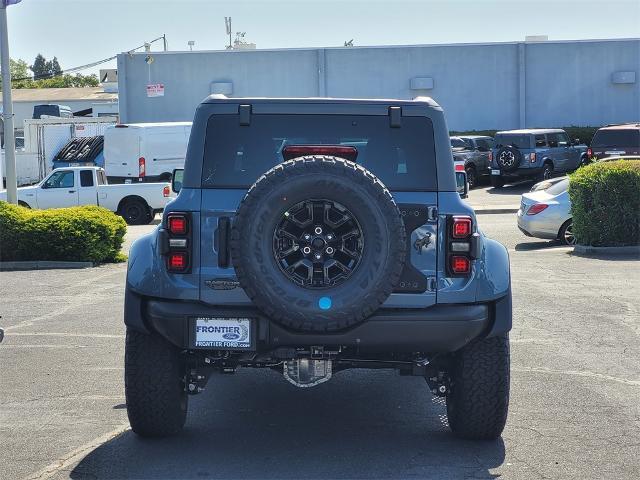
(7, 106)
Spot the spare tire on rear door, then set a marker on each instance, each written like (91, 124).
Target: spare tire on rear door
(318, 243)
(508, 158)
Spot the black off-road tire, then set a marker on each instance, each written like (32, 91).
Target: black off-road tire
(497, 181)
(478, 400)
(508, 158)
(154, 385)
(318, 178)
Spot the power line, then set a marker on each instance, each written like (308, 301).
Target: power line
(88, 65)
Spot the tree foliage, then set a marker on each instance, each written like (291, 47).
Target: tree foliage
(54, 78)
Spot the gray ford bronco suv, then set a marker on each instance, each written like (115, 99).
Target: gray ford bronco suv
(311, 236)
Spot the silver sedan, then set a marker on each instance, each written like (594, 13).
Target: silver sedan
(545, 212)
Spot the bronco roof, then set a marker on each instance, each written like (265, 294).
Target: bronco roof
(322, 100)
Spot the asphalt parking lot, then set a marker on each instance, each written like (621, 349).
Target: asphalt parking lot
(574, 407)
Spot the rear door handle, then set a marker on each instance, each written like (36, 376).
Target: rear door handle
(72, 191)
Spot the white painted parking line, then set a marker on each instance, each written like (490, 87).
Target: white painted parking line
(577, 373)
(62, 334)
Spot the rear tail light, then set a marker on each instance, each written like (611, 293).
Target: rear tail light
(536, 208)
(462, 245)
(532, 157)
(589, 152)
(461, 227)
(490, 156)
(166, 191)
(178, 261)
(460, 265)
(141, 167)
(178, 224)
(343, 151)
(176, 242)
(459, 167)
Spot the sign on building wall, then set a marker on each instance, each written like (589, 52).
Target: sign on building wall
(155, 90)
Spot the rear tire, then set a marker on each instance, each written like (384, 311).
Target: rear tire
(565, 235)
(497, 181)
(478, 401)
(154, 385)
(547, 171)
(135, 212)
(23, 204)
(472, 176)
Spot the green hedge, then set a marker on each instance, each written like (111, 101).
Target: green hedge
(86, 233)
(605, 203)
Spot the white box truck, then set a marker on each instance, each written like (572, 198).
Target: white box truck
(145, 152)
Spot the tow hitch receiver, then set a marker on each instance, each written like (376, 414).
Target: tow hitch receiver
(304, 372)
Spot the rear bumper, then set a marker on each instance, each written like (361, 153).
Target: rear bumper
(519, 173)
(438, 329)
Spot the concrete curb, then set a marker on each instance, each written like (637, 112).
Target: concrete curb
(43, 265)
(632, 250)
(496, 210)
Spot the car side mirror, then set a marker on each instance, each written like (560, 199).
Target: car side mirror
(176, 180)
(462, 186)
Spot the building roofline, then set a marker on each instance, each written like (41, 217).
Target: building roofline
(371, 47)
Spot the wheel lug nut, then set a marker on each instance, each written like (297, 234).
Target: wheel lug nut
(306, 250)
(329, 250)
(329, 237)
(307, 236)
(318, 256)
(318, 230)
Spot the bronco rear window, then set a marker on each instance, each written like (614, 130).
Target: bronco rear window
(518, 141)
(403, 158)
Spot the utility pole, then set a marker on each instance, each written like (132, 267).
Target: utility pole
(7, 110)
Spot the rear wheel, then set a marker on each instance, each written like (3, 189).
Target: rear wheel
(23, 204)
(566, 233)
(497, 181)
(472, 176)
(136, 212)
(547, 171)
(478, 398)
(154, 385)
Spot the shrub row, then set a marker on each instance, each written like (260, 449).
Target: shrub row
(605, 203)
(585, 134)
(87, 233)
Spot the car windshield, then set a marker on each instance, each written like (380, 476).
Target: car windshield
(403, 158)
(519, 141)
(624, 137)
(559, 187)
(458, 143)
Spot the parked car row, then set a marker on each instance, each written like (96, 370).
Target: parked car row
(538, 154)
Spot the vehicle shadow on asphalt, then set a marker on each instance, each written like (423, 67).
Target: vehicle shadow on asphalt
(361, 424)
(542, 245)
(515, 189)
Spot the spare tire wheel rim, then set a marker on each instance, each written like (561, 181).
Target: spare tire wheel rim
(507, 158)
(318, 243)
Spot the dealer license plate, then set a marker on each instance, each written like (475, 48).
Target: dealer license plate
(232, 333)
(495, 172)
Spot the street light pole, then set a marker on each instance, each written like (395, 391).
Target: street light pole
(7, 110)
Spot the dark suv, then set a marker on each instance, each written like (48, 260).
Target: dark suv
(311, 236)
(615, 141)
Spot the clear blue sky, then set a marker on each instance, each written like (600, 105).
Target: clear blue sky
(82, 31)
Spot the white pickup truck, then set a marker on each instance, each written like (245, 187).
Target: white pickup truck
(137, 203)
